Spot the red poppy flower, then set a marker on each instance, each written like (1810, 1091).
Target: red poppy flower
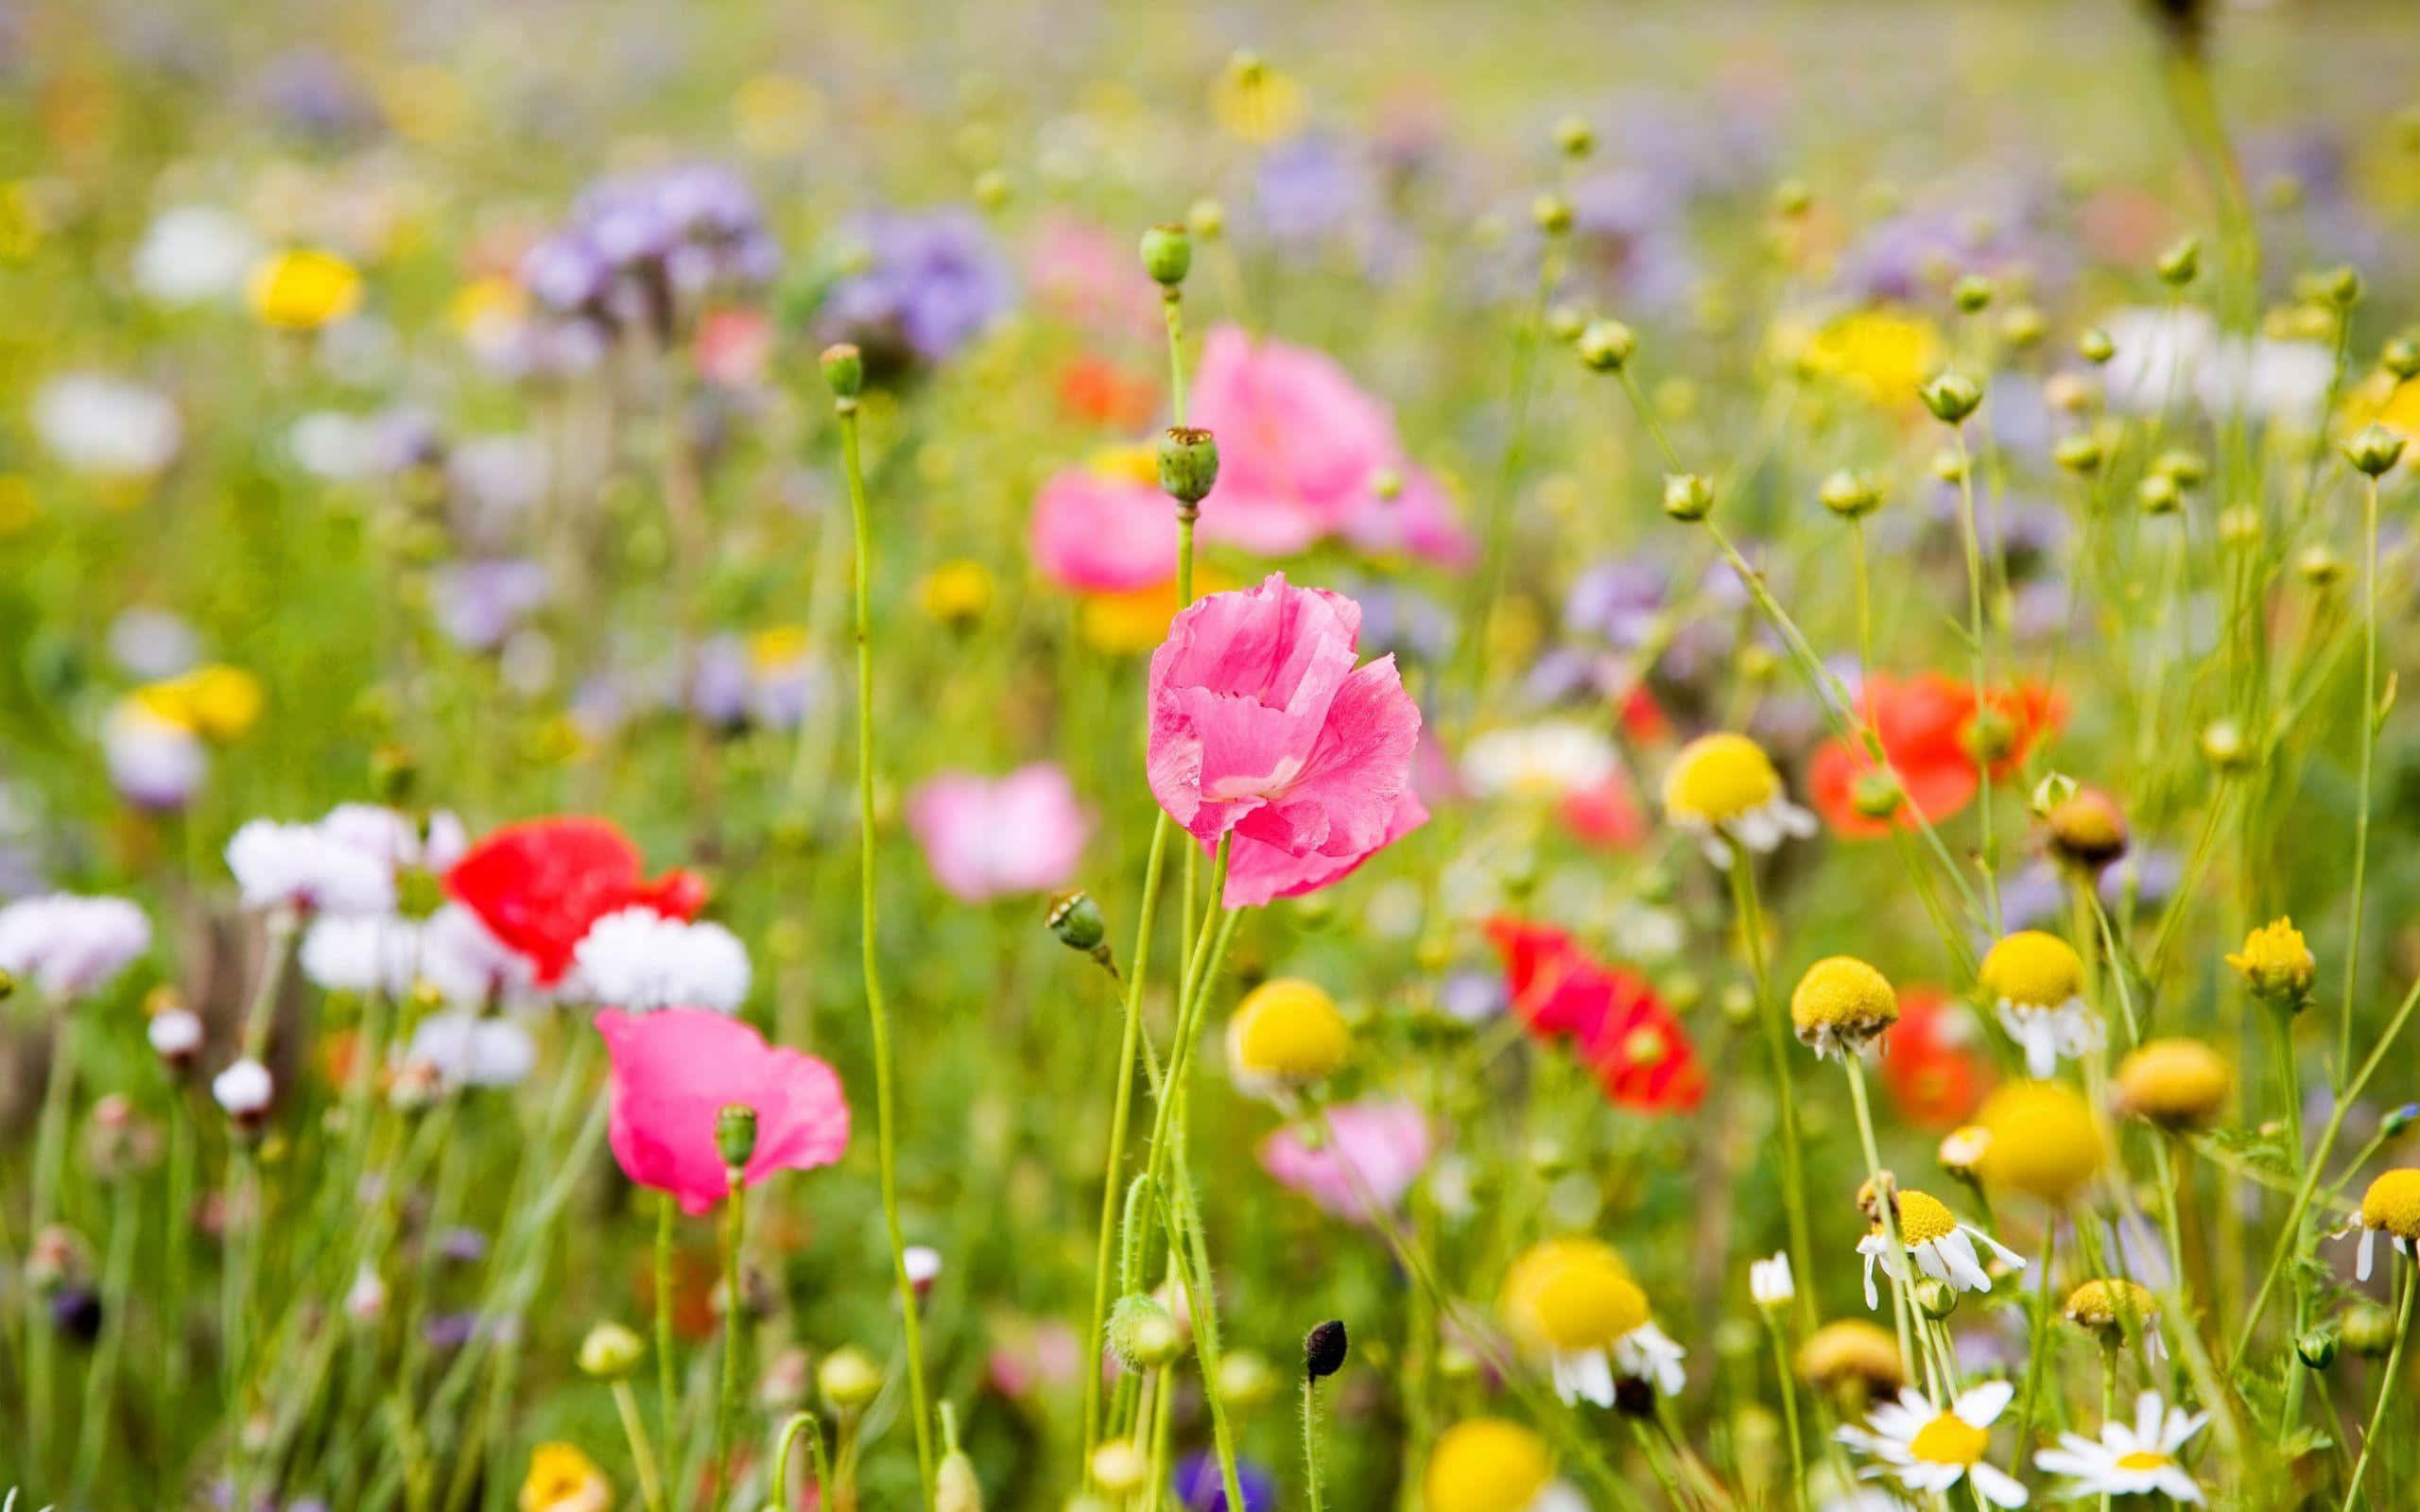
(1925, 724)
(1929, 1063)
(1620, 1029)
(539, 884)
(1643, 717)
(1605, 815)
(1093, 389)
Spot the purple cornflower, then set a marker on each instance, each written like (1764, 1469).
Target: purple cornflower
(479, 604)
(930, 283)
(1199, 1488)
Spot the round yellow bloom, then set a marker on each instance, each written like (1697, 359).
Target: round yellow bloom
(1851, 1355)
(2043, 1139)
(216, 702)
(1720, 778)
(561, 1479)
(1880, 355)
(2392, 1205)
(2114, 1308)
(1258, 104)
(1842, 1001)
(1285, 1034)
(2276, 961)
(2174, 1083)
(2032, 970)
(957, 592)
(778, 647)
(1485, 1465)
(304, 289)
(1571, 1294)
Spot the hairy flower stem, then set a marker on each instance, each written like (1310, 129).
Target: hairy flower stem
(2386, 1379)
(1312, 1439)
(1886, 1202)
(803, 1423)
(1972, 539)
(727, 1402)
(626, 1403)
(1749, 918)
(667, 1388)
(878, 1018)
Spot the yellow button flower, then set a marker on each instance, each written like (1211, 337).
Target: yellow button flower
(2037, 980)
(2114, 1309)
(1285, 1035)
(2276, 962)
(561, 1479)
(1486, 1465)
(1722, 787)
(2390, 1207)
(2042, 1141)
(217, 703)
(1840, 1004)
(2175, 1083)
(958, 593)
(304, 289)
(1881, 355)
(1573, 1301)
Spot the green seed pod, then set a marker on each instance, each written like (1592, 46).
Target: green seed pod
(1687, 496)
(610, 1352)
(1168, 254)
(1188, 458)
(1606, 345)
(844, 371)
(736, 1134)
(1952, 397)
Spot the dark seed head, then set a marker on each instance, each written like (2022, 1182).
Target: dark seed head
(1324, 1350)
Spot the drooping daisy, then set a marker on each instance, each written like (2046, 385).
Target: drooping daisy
(2136, 1461)
(1573, 1301)
(2114, 1311)
(1489, 1464)
(2037, 981)
(2039, 1138)
(1723, 788)
(1840, 1004)
(1942, 1248)
(1931, 1448)
(2391, 1206)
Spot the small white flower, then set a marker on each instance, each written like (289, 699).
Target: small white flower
(395, 839)
(2068, 1030)
(2136, 1461)
(1931, 1450)
(306, 867)
(1547, 759)
(1942, 1248)
(463, 962)
(1649, 1354)
(243, 1088)
(923, 1264)
(1769, 1282)
(152, 643)
(175, 1033)
(366, 953)
(471, 1051)
(69, 946)
(153, 762)
(638, 960)
(192, 254)
(108, 427)
(367, 1299)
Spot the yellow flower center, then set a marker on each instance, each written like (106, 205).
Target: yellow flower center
(1571, 1294)
(2043, 1139)
(1486, 1465)
(1843, 992)
(1948, 1440)
(304, 290)
(1923, 1218)
(2174, 1081)
(2111, 1303)
(2032, 970)
(958, 590)
(2143, 1459)
(1718, 778)
(2392, 1203)
(1288, 1030)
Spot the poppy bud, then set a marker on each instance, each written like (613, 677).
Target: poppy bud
(1142, 1334)
(735, 1135)
(1850, 496)
(2375, 450)
(1076, 920)
(1687, 496)
(1606, 345)
(1324, 1350)
(1189, 460)
(844, 371)
(1168, 254)
(1952, 397)
(848, 1379)
(610, 1352)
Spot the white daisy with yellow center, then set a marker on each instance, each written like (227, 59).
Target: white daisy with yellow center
(1942, 1248)
(1723, 789)
(1931, 1448)
(2390, 1207)
(2129, 1461)
(2036, 981)
(1572, 1302)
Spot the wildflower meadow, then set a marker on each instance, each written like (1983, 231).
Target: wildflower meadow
(1460, 758)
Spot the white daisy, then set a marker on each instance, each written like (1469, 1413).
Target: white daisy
(308, 868)
(1770, 1283)
(1942, 1248)
(2136, 1461)
(1723, 789)
(2036, 981)
(1649, 1354)
(2067, 1031)
(1928, 1449)
(638, 960)
(1549, 758)
(69, 946)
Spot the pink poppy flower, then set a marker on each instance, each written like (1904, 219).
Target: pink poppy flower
(675, 1070)
(988, 838)
(1261, 725)
(1097, 532)
(1300, 454)
(1380, 1148)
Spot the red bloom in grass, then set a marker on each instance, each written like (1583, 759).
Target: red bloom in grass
(1096, 390)
(1929, 1062)
(539, 884)
(1619, 1027)
(1925, 724)
(1605, 815)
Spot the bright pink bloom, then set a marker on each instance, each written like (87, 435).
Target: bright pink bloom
(539, 884)
(986, 838)
(1380, 1148)
(1100, 533)
(675, 1070)
(1261, 725)
(1300, 454)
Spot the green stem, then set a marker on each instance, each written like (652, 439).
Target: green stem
(1769, 1011)
(666, 1387)
(1886, 1202)
(734, 1233)
(1312, 1439)
(2393, 1373)
(886, 1140)
(626, 1402)
(2369, 746)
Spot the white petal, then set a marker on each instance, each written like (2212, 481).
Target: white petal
(1998, 1488)
(1980, 1406)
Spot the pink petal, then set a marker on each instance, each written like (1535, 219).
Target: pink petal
(675, 1070)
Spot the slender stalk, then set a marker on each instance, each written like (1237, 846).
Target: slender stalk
(886, 1139)
(1788, 1384)
(727, 1404)
(117, 1289)
(668, 1390)
(2369, 747)
(626, 1402)
(1750, 920)
(800, 1424)
(1886, 1201)
(1312, 1439)
(2386, 1379)
(50, 1152)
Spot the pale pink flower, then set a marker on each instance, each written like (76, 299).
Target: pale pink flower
(1379, 1150)
(1101, 533)
(674, 1072)
(1088, 275)
(1304, 454)
(1261, 724)
(988, 838)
